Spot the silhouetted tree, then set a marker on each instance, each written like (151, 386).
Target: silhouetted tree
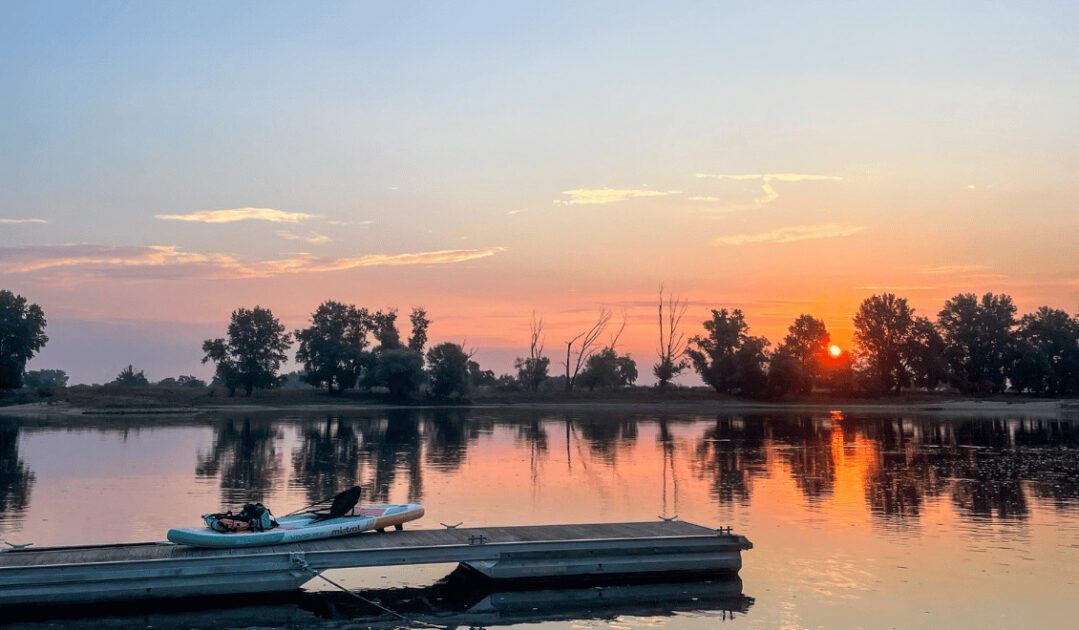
(400, 370)
(1047, 353)
(532, 370)
(585, 348)
(252, 353)
(608, 370)
(807, 342)
(447, 367)
(882, 330)
(22, 334)
(672, 341)
(187, 380)
(420, 323)
(333, 348)
(787, 376)
(925, 354)
(385, 328)
(45, 381)
(727, 357)
(978, 340)
(128, 377)
(478, 377)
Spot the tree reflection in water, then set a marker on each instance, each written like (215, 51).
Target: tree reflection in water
(985, 468)
(245, 458)
(16, 479)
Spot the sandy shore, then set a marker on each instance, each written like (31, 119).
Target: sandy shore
(965, 408)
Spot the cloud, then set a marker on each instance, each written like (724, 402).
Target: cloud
(702, 198)
(170, 260)
(768, 193)
(363, 223)
(791, 234)
(312, 238)
(520, 211)
(899, 287)
(21, 221)
(233, 215)
(952, 269)
(590, 196)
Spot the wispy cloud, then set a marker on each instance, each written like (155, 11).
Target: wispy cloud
(313, 238)
(232, 215)
(363, 223)
(791, 234)
(705, 198)
(172, 261)
(21, 221)
(952, 269)
(589, 196)
(519, 211)
(768, 193)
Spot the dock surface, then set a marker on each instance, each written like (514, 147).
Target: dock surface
(538, 552)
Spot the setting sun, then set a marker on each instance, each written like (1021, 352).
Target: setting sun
(835, 350)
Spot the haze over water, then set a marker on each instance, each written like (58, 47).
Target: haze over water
(874, 521)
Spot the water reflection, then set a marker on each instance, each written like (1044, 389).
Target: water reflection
(16, 479)
(454, 602)
(245, 458)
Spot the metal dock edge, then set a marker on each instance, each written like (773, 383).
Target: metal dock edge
(73, 575)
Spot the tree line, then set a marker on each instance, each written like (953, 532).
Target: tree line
(977, 345)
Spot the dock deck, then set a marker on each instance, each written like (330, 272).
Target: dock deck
(63, 575)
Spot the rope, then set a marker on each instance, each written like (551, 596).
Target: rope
(413, 622)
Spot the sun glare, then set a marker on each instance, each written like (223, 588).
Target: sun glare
(835, 350)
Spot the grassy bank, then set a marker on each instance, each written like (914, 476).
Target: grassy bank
(97, 400)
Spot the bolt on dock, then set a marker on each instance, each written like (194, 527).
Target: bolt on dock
(101, 573)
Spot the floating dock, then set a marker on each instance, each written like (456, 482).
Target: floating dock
(110, 573)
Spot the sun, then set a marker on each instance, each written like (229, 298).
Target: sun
(835, 350)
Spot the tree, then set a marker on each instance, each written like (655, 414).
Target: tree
(672, 341)
(787, 376)
(478, 377)
(187, 380)
(532, 370)
(333, 348)
(45, 381)
(608, 370)
(420, 323)
(385, 329)
(1047, 360)
(252, 353)
(978, 340)
(727, 358)
(586, 347)
(882, 330)
(400, 370)
(22, 334)
(447, 367)
(807, 342)
(128, 377)
(924, 354)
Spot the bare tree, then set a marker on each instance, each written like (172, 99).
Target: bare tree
(532, 370)
(672, 341)
(586, 347)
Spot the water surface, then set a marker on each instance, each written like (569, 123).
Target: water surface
(870, 521)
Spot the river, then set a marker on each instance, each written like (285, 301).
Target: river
(857, 521)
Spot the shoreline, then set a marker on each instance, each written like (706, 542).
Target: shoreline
(964, 408)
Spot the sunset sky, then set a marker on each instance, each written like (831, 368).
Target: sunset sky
(164, 163)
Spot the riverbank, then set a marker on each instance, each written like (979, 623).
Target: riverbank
(106, 401)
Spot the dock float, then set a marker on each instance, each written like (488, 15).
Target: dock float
(539, 553)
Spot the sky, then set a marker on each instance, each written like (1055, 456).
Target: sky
(162, 164)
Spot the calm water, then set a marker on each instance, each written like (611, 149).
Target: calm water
(857, 521)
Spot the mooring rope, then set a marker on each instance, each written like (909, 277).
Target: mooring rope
(415, 622)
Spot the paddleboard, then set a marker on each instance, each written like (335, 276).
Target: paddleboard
(302, 527)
